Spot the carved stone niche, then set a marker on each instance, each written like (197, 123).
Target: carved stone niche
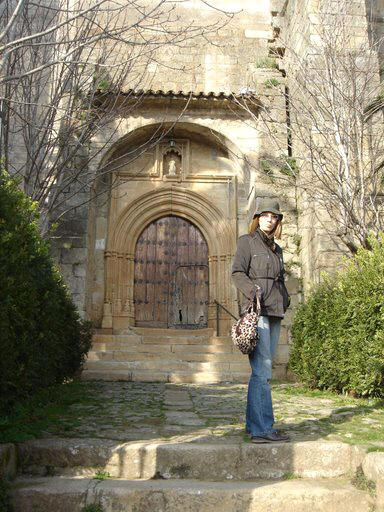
(173, 159)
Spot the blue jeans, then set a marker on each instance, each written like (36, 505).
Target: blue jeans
(259, 415)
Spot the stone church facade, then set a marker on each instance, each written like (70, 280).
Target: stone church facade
(154, 246)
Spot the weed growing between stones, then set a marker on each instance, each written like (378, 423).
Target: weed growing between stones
(181, 471)
(361, 482)
(94, 507)
(101, 474)
(375, 449)
(289, 475)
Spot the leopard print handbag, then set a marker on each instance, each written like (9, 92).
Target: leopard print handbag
(244, 331)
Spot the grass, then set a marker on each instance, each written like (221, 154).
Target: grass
(271, 82)
(94, 507)
(33, 417)
(101, 474)
(361, 482)
(266, 62)
(290, 475)
(373, 448)
(352, 420)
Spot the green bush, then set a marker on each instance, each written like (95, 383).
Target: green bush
(42, 339)
(338, 333)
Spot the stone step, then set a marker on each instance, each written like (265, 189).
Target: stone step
(117, 338)
(158, 376)
(156, 347)
(205, 377)
(160, 340)
(176, 377)
(126, 355)
(170, 355)
(72, 494)
(203, 461)
(169, 365)
(124, 375)
(184, 340)
(154, 331)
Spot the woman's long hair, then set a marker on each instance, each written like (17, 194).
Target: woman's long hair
(276, 232)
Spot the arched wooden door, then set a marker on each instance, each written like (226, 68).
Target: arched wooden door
(171, 275)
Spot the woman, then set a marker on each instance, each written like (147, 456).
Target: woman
(259, 262)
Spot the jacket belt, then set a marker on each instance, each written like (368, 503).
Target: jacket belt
(275, 279)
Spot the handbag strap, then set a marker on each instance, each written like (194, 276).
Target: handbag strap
(255, 294)
(253, 300)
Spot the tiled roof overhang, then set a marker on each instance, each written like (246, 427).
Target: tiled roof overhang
(191, 100)
(180, 94)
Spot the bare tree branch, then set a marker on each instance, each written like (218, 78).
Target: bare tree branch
(332, 147)
(63, 73)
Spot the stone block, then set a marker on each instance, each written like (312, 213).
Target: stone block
(74, 256)
(296, 299)
(185, 350)
(79, 270)
(282, 354)
(293, 284)
(203, 377)
(284, 335)
(231, 357)
(139, 375)
(208, 367)
(70, 495)
(257, 33)
(72, 227)
(116, 375)
(279, 372)
(240, 378)
(210, 461)
(67, 272)
(77, 287)
(101, 227)
(240, 367)
(100, 355)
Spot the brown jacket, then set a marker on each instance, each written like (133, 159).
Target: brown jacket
(255, 263)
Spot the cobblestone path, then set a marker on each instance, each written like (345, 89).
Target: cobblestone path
(129, 411)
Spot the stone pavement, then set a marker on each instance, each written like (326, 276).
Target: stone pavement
(133, 411)
(141, 447)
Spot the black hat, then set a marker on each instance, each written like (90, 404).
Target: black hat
(268, 204)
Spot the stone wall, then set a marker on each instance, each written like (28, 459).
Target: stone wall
(225, 59)
(302, 24)
(227, 147)
(222, 169)
(235, 61)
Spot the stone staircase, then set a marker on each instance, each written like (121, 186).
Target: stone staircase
(168, 355)
(165, 355)
(191, 477)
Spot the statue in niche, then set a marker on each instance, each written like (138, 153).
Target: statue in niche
(172, 168)
(172, 164)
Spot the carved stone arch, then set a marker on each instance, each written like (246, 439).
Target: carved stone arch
(151, 131)
(209, 201)
(123, 235)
